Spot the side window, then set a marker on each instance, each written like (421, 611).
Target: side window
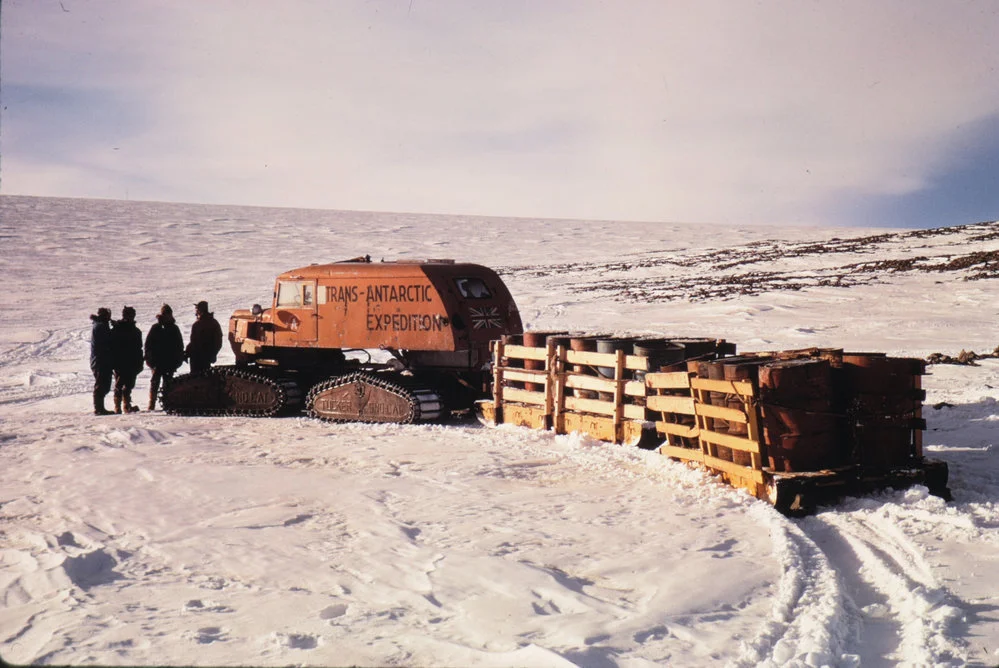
(307, 294)
(472, 288)
(288, 295)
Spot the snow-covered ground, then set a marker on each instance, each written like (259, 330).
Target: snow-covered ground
(150, 539)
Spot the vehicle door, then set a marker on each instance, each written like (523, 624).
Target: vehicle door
(297, 319)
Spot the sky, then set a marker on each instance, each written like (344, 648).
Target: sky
(734, 113)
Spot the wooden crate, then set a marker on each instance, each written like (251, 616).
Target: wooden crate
(618, 418)
(669, 396)
(741, 459)
(738, 459)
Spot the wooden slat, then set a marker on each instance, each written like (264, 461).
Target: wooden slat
(633, 412)
(686, 454)
(619, 393)
(734, 442)
(525, 353)
(525, 375)
(594, 383)
(733, 469)
(632, 388)
(559, 394)
(523, 396)
(486, 410)
(524, 416)
(550, 366)
(497, 348)
(713, 463)
(743, 388)
(632, 432)
(755, 434)
(636, 362)
(686, 431)
(754, 488)
(668, 380)
(601, 428)
(589, 358)
(666, 404)
(589, 405)
(633, 362)
(721, 413)
(579, 405)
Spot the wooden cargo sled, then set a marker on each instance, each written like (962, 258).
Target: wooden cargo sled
(793, 428)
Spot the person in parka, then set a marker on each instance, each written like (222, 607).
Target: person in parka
(101, 360)
(164, 351)
(126, 346)
(206, 339)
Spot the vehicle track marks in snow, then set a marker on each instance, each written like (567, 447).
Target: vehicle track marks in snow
(812, 621)
(892, 584)
(47, 346)
(22, 358)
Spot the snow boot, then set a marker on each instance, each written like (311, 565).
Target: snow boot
(117, 404)
(152, 400)
(99, 405)
(126, 403)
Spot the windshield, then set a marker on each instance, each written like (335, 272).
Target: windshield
(472, 288)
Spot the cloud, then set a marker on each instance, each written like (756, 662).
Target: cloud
(690, 111)
(961, 188)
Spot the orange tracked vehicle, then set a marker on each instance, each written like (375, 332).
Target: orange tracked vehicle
(403, 341)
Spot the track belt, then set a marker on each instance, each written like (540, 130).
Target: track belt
(232, 391)
(364, 397)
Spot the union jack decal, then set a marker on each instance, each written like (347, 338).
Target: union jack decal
(485, 317)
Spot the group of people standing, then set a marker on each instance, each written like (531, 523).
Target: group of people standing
(117, 353)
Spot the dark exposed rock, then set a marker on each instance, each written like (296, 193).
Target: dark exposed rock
(756, 268)
(965, 357)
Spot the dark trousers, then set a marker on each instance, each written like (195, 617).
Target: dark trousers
(124, 382)
(102, 382)
(102, 385)
(154, 384)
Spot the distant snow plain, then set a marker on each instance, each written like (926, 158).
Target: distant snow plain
(150, 539)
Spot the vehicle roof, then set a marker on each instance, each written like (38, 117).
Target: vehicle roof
(398, 268)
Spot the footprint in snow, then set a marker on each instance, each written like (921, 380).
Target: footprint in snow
(210, 634)
(298, 640)
(723, 549)
(655, 633)
(333, 611)
(197, 605)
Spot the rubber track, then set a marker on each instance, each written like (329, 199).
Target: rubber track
(288, 393)
(425, 403)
